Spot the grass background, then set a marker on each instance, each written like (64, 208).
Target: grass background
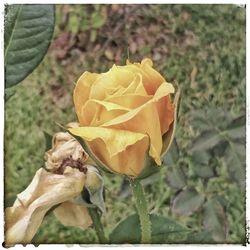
(202, 47)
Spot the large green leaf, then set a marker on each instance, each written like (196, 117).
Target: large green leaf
(187, 202)
(164, 231)
(28, 31)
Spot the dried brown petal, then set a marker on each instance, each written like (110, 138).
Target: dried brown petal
(44, 192)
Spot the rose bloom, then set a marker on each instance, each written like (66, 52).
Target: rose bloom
(124, 114)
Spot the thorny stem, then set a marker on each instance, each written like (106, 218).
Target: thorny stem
(96, 218)
(141, 205)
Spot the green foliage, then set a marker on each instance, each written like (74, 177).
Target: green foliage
(218, 150)
(83, 18)
(97, 19)
(164, 231)
(214, 220)
(225, 136)
(175, 177)
(27, 35)
(187, 202)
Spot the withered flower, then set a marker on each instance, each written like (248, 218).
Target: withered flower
(58, 188)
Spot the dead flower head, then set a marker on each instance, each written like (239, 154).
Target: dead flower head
(56, 188)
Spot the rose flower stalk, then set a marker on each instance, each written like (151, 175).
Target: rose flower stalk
(59, 188)
(124, 115)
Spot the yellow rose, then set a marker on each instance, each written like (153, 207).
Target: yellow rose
(124, 114)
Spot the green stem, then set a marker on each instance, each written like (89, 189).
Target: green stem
(141, 205)
(96, 218)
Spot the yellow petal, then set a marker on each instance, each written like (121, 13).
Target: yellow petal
(96, 112)
(131, 97)
(122, 151)
(82, 91)
(166, 113)
(136, 86)
(115, 77)
(115, 140)
(151, 78)
(73, 215)
(45, 191)
(140, 120)
(130, 101)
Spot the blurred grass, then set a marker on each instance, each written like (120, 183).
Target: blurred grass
(202, 47)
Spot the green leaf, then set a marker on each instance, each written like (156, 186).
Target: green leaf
(203, 171)
(238, 122)
(237, 128)
(205, 141)
(199, 238)
(201, 157)
(97, 20)
(235, 158)
(207, 119)
(211, 137)
(215, 220)
(201, 165)
(164, 231)
(227, 141)
(28, 31)
(175, 177)
(48, 140)
(172, 156)
(73, 23)
(237, 133)
(187, 202)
